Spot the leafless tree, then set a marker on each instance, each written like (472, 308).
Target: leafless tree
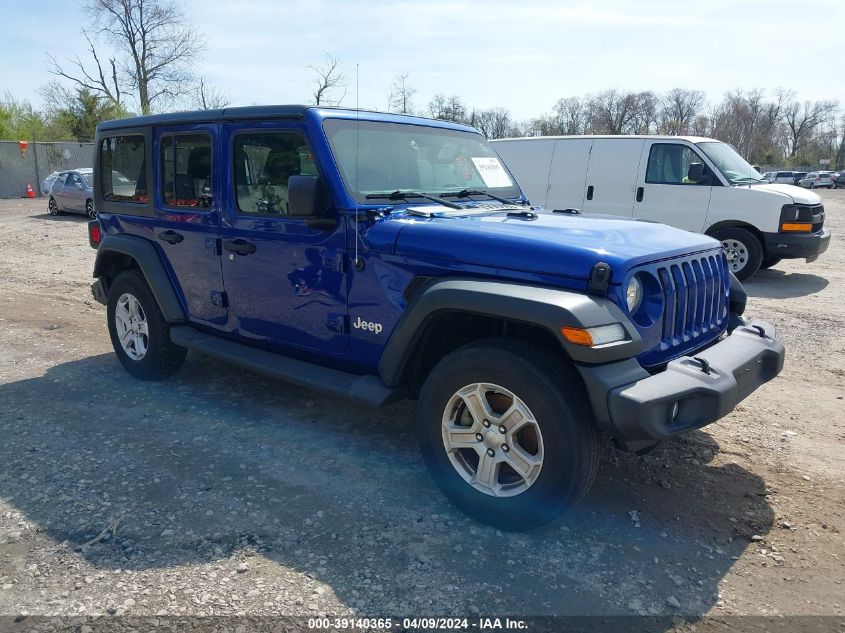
(803, 121)
(152, 49)
(448, 109)
(614, 112)
(209, 97)
(401, 93)
(494, 123)
(328, 77)
(678, 110)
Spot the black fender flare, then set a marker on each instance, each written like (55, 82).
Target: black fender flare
(149, 261)
(548, 308)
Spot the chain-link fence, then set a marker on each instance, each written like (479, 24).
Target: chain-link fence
(21, 166)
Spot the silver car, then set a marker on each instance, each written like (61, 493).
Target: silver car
(73, 191)
(817, 179)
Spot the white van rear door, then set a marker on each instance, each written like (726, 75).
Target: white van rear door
(568, 172)
(664, 192)
(611, 176)
(529, 162)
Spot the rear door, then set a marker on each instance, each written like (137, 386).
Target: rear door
(59, 191)
(664, 191)
(285, 275)
(188, 215)
(568, 173)
(611, 176)
(75, 192)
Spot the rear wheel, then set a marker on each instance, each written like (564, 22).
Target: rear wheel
(506, 431)
(139, 334)
(53, 206)
(743, 250)
(768, 262)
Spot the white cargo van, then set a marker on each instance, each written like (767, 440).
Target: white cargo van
(693, 183)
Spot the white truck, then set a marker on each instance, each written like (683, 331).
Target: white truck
(693, 183)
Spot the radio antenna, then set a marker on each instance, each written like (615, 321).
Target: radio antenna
(358, 263)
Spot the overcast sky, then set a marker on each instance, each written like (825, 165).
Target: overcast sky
(519, 55)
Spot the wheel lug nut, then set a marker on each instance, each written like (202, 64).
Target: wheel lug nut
(479, 437)
(502, 430)
(491, 452)
(505, 448)
(486, 424)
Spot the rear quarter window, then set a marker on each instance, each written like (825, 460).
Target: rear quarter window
(123, 169)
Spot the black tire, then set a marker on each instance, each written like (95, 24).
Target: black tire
(555, 396)
(53, 206)
(162, 357)
(768, 262)
(89, 210)
(742, 247)
(812, 185)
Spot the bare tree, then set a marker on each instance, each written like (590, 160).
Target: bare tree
(803, 121)
(400, 96)
(448, 109)
(614, 112)
(152, 47)
(328, 77)
(678, 111)
(209, 97)
(494, 123)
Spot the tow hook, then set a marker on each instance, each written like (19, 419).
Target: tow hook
(705, 366)
(760, 330)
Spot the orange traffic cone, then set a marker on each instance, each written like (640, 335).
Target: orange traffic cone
(29, 192)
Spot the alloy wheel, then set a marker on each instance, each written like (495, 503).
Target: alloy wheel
(492, 439)
(132, 328)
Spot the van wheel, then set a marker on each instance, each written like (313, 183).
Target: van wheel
(139, 334)
(768, 262)
(507, 433)
(743, 249)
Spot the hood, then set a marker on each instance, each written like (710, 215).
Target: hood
(798, 195)
(553, 244)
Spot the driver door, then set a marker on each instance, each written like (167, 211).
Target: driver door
(665, 192)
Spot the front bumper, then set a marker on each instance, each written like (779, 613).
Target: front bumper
(796, 245)
(640, 412)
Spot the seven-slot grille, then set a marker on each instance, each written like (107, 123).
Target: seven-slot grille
(695, 290)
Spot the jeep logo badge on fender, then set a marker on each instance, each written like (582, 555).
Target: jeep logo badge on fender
(370, 326)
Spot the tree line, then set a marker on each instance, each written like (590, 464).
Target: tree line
(140, 54)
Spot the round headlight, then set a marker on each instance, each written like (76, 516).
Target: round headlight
(634, 294)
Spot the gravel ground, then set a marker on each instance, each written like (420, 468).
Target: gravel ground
(221, 492)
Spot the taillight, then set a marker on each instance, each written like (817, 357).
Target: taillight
(94, 233)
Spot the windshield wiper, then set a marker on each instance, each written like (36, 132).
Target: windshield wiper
(466, 193)
(404, 195)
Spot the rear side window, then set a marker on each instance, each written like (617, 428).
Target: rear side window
(264, 162)
(668, 164)
(186, 170)
(123, 169)
(784, 174)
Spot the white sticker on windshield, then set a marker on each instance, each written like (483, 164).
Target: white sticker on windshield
(492, 172)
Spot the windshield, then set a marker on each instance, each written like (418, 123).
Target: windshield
(397, 157)
(731, 164)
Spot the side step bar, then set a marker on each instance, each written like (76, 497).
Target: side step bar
(367, 389)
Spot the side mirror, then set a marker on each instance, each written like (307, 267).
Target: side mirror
(79, 185)
(696, 174)
(307, 197)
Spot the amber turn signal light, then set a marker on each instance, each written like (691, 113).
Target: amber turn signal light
(796, 227)
(577, 336)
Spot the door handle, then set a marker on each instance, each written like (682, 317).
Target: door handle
(241, 247)
(590, 192)
(170, 236)
(640, 192)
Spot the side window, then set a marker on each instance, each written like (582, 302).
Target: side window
(264, 161)
(669, 164)
(73, 180)
(186, 170)
(123, 169)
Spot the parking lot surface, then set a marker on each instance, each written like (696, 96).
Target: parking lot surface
(222, 492)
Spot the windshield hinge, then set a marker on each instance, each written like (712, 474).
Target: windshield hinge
(599, 279)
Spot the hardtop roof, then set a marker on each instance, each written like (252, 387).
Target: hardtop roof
(270, 112)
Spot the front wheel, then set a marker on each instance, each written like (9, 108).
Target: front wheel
(139, 334)
(743, 250)
(506, 431)
(89, 210)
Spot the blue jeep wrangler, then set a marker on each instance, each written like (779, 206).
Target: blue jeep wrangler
(382, 257)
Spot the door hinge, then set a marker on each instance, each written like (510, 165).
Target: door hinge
(219, 298)
(338, 323)
(335, 260)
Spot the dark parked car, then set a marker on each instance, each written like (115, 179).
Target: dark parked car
(797, 176)
(72, 191)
